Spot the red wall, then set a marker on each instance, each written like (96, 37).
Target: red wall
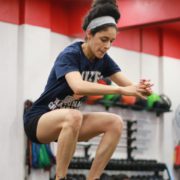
(129, 39)
(146, 12)
(63, 19)
(151, 41)
(59, 18)
(9, 11)
(171, 43)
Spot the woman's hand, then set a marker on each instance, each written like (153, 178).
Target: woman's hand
(142, 90)
(134, 90)
(146, 84)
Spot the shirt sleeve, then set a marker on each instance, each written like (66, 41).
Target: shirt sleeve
(66, 63)
(110, 67)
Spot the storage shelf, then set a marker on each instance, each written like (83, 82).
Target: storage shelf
(108, 104)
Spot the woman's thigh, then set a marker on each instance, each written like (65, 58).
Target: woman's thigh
(96, 123)
(93, 124)
(51, 123)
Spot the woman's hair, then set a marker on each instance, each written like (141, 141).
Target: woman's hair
(101, 8)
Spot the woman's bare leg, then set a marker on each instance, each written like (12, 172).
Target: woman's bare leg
(111, 127)
(68, 126)
(62, 125)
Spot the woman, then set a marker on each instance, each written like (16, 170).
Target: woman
(55, 115)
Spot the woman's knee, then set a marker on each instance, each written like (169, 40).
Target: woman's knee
(74, 119)
(117, 124)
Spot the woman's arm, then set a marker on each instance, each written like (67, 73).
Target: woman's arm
(120, 79)
(81, 87)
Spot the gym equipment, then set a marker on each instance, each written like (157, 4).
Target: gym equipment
(163, 103)
(140, 104)
(166, 101)
(152, 99)
(111, 97)
(108, 81)
(105, 81)
(106, 176)
(130, 140)
(128, 100)
(177, 156)
(120, 177)
(93, 99)
(42, 156)
(109, 100)
(27, 104)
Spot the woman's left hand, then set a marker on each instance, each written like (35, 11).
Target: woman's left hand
(147, 86)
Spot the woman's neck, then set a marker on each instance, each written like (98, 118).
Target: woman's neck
(87, 52)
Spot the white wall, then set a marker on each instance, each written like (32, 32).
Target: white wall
(58, 43)
(41, 48)
(37, 60)
(150, 66)
(12, 147)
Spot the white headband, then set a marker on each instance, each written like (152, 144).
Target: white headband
(101, 21)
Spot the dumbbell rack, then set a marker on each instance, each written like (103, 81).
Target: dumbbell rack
(130, 139)
(123, 165)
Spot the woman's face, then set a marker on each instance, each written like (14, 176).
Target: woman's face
(101, 41)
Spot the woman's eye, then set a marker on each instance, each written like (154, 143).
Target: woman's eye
(104, 40)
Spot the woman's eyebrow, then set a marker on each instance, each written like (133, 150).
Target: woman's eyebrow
(107, 37)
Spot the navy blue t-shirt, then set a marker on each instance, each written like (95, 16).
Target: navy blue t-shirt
(57, 93)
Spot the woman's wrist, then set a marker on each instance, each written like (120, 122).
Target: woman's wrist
(120, 90)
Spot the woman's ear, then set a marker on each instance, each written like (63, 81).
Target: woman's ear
(88, 34)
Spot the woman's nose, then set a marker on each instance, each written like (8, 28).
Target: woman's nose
(108, 45)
